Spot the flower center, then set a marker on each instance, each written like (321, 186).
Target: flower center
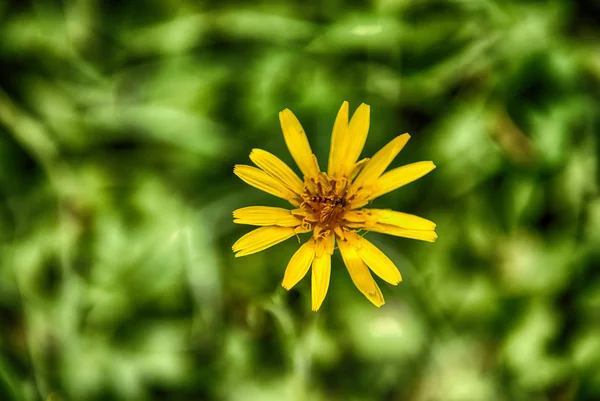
(325, 200)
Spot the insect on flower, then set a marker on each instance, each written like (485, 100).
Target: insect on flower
(331, 205)
(328, 206)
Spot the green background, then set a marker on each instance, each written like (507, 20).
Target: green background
(120, 123)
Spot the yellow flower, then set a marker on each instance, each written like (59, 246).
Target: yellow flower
(331, 205)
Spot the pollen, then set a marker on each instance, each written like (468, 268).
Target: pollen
(325, 201)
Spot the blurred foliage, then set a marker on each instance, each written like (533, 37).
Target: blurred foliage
(120, 123)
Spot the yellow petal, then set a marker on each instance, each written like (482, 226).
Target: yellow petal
(276, 168)
(339, 136)
(358, 166)
(358, 129)
(266, 216)
(375, 259)
(360, 274)
(297, 143)
(263, 181)
(400, 176)
(423, 235)
(391, 222)
(325, 242)
(380, 161)
(358, 203)
(398, 219)
(355, 216)
(321, 272)
(260, 239)
(299, 265)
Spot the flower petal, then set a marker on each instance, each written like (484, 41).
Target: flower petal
(423, 235)
(325, 241)
(321, 267)
(380, 161)
(357, 167)
(321, 272)
(266, 216)
(339, 137)
(356, 216)
(375, 259)
(260, 239)
(263, 181)
(299, 265)
(390, 217)
(276, 168)
(358, 203)
(358, 129)
(400, 176)
(360, 274)
(297, 143)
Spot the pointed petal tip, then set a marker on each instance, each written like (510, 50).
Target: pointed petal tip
(255, 151)
(286, 113)
(364, 108)
(375, 298)
(241, 253)
(402, 138)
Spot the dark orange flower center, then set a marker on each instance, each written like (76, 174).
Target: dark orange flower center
(325, 200)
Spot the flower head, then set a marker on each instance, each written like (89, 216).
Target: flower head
(330, 205)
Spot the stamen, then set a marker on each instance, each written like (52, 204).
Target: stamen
(324, 202)
(305, 224)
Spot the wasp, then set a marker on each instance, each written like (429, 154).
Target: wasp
(330, 203)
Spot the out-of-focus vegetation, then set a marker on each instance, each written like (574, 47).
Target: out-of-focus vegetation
(120, 123)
